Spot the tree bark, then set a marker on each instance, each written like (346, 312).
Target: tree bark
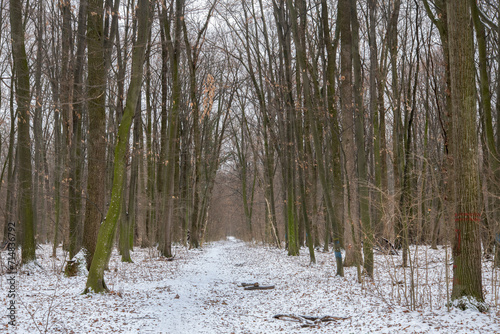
(467, 280)
(96, 181)
(353, 255)
(23, 99)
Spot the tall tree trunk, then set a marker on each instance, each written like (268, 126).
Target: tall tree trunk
(161, 174)
(467, 282)
(76, 157)
(148, 239)
(364, 200)
(336, 221)
(129, 221)
(39, 198)
(96, 181)
(397, 128)
(57, 165)
(66, 103)
(493, 161)
(353, 255)
(23, 97)
(95, 281)
(11, 157)
(378, 153)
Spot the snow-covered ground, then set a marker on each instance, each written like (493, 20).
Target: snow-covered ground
(198, 292)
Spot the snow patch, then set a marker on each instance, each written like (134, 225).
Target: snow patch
(81, 260)
(469, 303)
(31, 268)
(200, 292)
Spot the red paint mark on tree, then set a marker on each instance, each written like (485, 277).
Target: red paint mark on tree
(458, 242)
(472, 216)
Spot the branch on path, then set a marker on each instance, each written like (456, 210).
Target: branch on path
(256, 286)
(308, 321)
(262, 287)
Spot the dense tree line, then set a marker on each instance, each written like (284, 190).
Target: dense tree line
(345, 124)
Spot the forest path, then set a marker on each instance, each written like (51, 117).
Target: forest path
(206, 290)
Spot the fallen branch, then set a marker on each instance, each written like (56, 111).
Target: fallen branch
(249, 284)
(263, 287)
(306, 320)
(256, 286)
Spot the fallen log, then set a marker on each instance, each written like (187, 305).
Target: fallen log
(306, 320)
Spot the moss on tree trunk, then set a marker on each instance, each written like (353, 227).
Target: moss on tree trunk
(105, 238)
